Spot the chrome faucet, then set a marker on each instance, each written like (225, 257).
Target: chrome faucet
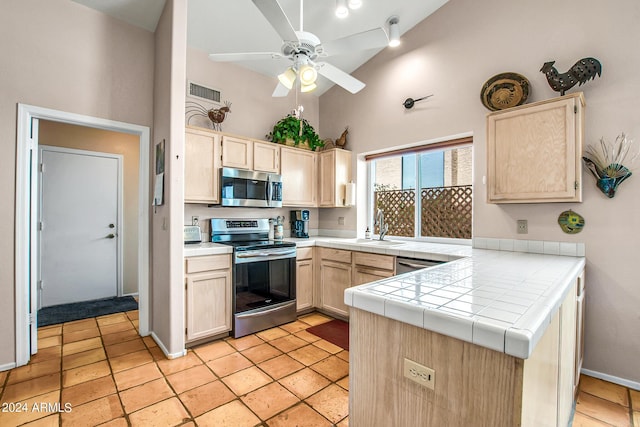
(384, 228)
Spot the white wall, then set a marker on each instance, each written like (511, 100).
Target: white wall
(450, 55)
(64, 56)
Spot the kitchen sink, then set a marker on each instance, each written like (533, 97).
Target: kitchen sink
(373, 242)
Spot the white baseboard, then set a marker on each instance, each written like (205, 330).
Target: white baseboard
(616, 380)
(7, 366)
(164, 349)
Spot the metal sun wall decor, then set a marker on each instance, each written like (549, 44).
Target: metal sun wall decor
(605, 162)
(571, 222)
(216, 115)
(581, 72)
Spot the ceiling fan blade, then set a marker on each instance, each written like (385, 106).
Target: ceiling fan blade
(246, 56)
(370, 39)
(339, 77)
(280, 91)
(272, 10)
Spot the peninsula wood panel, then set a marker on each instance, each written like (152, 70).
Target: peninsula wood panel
(533, 152)
(474, 386)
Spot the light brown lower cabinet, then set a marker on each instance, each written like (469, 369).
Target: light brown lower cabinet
(208, 296)
(304, 279)
(371, 267)
(474, 385)
(335, 278)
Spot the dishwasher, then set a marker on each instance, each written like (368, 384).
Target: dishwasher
(405, 265)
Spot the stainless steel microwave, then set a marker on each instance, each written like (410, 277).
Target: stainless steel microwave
(239, 187)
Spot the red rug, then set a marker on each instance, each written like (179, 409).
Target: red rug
(334, 331)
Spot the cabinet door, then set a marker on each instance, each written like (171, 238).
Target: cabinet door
(298, 170)
(266, 157)
(566, 355)
(304, 284)
(534, 152)
(208, 304)
(202, 160)
(237, 153)
(579, 353)
(335, 278)
(335, 173)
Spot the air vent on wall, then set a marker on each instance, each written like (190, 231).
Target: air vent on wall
(203, 92)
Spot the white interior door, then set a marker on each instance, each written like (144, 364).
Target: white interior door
(79, 214)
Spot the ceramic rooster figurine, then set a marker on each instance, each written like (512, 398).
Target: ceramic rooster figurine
(581, 72)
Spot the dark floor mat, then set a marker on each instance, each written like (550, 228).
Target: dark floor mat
(82, 310)
(335, 331)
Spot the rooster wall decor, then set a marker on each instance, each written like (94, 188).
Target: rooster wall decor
(581, 72)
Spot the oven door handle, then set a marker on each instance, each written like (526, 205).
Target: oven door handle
(268, 310)
(265, 254)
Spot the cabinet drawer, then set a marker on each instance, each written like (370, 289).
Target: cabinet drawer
(383, 262)
(206, 263)
(337, 255)
(304, 253)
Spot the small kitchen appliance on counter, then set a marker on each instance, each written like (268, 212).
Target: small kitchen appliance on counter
(300, 223)
(264, 274)
(192, 234)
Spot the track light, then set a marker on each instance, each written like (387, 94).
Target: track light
(308, 75)
(288, 78)
(394, 31)
(342, 11)
(355, 4)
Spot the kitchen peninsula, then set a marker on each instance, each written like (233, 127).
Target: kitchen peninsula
(497, 327)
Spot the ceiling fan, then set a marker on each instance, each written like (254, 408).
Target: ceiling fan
(304, 49)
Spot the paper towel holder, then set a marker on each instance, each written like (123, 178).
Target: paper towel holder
(350, 194)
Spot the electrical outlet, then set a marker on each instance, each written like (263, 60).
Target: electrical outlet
(523, 226)
(340, 220)
(195, 220)
(419, 374)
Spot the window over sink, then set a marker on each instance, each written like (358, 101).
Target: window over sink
(443, 173)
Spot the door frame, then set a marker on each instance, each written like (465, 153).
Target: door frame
(26, 245)
(119, 209)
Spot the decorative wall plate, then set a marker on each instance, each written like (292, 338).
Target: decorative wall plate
(504, 90)
(571, 222)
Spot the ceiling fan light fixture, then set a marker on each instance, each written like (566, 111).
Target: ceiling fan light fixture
(288, 78)
(355, 4)
(308, 75)
(394, 31)
(308, 88)
(342, 11)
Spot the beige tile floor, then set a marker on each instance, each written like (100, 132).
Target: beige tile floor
(100, 372)
(107, 375)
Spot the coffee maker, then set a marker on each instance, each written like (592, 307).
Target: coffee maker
(300, 223)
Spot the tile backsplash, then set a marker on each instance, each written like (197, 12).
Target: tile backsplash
(530, 246)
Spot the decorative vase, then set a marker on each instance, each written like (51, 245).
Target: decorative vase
(609, 185)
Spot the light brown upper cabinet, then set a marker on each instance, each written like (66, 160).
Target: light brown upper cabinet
(299, 176)
(202, 160)
(335, 173)
(266, 157)
(534, 152)
(237, 152)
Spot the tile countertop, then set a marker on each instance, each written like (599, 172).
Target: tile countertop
(502, 300)
(496, 299)
(206, 248)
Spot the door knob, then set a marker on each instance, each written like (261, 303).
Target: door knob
(111, 226)
(111, 236)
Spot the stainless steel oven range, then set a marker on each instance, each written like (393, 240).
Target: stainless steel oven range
(264, 274)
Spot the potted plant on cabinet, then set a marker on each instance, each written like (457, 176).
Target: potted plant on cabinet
(297, 132)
